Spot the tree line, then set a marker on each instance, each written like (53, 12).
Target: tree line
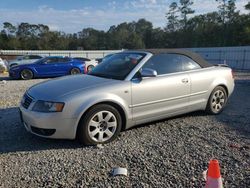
(224, 27)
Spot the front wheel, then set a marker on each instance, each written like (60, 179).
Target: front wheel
(217, 100)
(100, 125)
(26, 74)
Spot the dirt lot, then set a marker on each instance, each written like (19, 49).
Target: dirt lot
(169, 153)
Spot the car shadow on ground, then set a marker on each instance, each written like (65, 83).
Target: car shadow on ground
(14, 137)
(7, 78)
(235, 117)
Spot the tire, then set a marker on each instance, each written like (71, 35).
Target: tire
(26, 74)
(217, 101)
(75, 71)
(90, 67)
(100, 125)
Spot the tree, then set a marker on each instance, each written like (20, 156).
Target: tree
(247, 6)
(134, 41)
(173, 22)
(199, 31)
(88, 38)
(9, 28)
(185, 10)
(222, 9)
(227, 10)
(205, 30)
(130, 35)
(231, 11)
(143, 28)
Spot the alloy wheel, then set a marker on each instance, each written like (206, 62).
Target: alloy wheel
(74, 71)
(218, 100)
(26, 74)
(102, 126)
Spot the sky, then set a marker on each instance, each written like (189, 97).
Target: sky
(71, 16)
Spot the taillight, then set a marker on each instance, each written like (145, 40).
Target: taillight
(85, 69)
(232, 72)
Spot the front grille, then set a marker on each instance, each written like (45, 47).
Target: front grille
(27, 100)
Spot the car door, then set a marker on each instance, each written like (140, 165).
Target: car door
(201, 79)
(64, 65)
(47, 67)
(165, 94)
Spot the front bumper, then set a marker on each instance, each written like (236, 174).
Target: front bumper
(48, 125)
(13, 74)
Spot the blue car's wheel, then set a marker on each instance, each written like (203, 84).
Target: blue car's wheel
(75, 71)
(26, 74)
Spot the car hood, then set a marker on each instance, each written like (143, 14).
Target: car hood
(14, 61)
(22, 62)
(56, 88)
(19, 66)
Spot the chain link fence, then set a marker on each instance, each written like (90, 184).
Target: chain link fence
(9, 54)
(238, 59)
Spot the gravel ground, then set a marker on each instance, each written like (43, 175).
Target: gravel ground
(169, 153)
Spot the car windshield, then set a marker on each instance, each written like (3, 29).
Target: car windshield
(107, 56)
(48, 59)
(118, 66)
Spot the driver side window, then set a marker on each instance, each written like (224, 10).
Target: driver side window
(51, 60)
(170, 63)
(164, 63)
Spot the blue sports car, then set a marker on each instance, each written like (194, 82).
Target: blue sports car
(52, 66)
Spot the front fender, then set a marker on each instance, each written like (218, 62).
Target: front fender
(100, 98)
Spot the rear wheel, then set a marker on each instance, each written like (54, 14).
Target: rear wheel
(217, 100)
(101, 124)
(75, 71)
(90, 67)
(26, 74)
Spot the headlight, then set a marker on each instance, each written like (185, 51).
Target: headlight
(44, 106)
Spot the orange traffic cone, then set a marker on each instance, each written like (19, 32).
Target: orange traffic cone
(213, 175)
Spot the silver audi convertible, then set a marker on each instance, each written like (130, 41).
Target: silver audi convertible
(127, 89)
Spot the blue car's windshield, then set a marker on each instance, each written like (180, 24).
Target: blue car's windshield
(51, 60)
(118, 66)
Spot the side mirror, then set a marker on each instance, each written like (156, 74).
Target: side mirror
(147, 72)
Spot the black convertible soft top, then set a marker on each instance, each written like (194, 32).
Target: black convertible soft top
(197, 58)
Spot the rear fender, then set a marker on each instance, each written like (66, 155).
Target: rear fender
(217, 82)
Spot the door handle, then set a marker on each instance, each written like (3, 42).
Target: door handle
(184, 80)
